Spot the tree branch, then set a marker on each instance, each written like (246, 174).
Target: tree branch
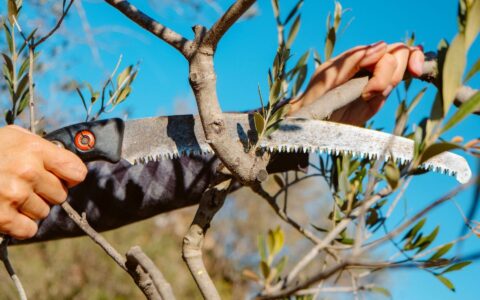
(139, 273)
(22, 295)
(218, 29)
(174, 39)
(211, 202)
(56, 27)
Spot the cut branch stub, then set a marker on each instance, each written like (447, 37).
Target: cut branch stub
(246, 166)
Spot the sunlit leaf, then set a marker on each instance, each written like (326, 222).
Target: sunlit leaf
(12, 11)
(446, 282)
(392, 174)
(382, 291)
(330, 43)
(122, 77)
(276, 8)
(279, 240)
(453, 69)
(474, 70)
(463, 111)
(259, 123)
(457, 266)
(338, 15)
(8, 63)
(293, 32)
(416, 100)
(472, 26)
(440, 252)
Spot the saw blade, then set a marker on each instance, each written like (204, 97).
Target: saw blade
(169, 137)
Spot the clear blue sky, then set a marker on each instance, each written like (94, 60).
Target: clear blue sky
(243, 58)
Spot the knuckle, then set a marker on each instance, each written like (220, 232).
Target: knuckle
(16, 194)
(390, 60)
(28, 172)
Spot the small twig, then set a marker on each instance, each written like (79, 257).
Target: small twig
(420, 214)
(398, 197)
(31, 100)
(56, 27)
(139, 275)
(22, 295)
(329, 238)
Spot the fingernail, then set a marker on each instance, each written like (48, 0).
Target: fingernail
(387, 90)
(418, 65)
(373, 48)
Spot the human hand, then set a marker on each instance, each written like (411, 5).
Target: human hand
(388, 64)
(33, 174)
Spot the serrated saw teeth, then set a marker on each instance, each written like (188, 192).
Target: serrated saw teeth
(170, 137)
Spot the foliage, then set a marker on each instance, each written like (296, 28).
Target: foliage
(363, 191)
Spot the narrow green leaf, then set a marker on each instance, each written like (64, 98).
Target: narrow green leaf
(8, 63)
(330, 43)
(457, 266)
(437, 149)
(270, 242)
(249, 274)
(281, 264)
(474, 70)
(122, 95)
(416, 100)
(392, 174)
(412, 232)
(293, 32)
(440, 252)
(302, 75)
(446, 282)
(338, 15)
(265, 269)
(382, 291)
(276, 8)
(279, 237)
(262, 251)
(453, 69)
(472, 26)
(317, 58)
(12, 11)
(8, 37)
(259, 123)
(122, 77)
(293, 12)
(463, 111)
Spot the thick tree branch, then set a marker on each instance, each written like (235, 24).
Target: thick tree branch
(166, 34)
(218, 29)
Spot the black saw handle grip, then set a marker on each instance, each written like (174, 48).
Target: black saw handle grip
(98, 140)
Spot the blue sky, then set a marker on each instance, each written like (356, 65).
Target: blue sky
(242, 61)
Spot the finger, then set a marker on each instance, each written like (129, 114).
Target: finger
(381, 82)
(339, 70)
(18, 225)
(415, 62)
(352, 61)
(50, 188)
(34, 207)
(64, 164)
(401, 53)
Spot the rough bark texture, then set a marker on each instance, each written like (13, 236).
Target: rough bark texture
(247, 167)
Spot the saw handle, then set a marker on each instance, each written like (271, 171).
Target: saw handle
(98, 140)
